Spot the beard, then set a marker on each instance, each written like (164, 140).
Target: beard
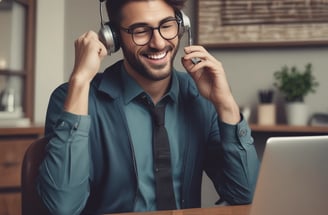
(151, 72)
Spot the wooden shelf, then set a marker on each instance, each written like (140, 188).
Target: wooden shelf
(12, 72)
(289, 129)
(37, 130)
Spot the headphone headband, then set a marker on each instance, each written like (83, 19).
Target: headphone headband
(110, 37)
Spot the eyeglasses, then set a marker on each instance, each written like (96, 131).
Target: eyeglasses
(142, 34)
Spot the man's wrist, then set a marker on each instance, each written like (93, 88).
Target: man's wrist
(228, 112)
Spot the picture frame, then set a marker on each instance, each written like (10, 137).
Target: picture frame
(261, 23)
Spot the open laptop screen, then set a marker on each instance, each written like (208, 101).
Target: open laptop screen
(293, 178)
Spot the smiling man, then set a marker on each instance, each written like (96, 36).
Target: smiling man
(102, 157)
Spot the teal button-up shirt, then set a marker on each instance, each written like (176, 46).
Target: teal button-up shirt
(102, 163)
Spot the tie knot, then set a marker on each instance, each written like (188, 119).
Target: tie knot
(158, 115)
(157, 112)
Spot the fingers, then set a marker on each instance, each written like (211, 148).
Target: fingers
(202, 55)
(90, 42)
(187, 60)
(197, 58)
(197, 52)
(89, 52)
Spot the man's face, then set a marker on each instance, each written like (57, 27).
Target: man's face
(154, 60)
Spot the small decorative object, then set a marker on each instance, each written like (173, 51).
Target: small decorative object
(3, 62)
(246, 111)
(7, 100)
(266, 110)
(319, 119)
(295, 85)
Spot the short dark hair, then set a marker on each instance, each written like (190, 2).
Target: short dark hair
(114, 8)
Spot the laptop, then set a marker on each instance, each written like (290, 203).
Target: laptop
(293, 177)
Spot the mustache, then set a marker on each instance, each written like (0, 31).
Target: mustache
(155, 50)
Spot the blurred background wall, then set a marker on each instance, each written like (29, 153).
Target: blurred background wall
(60, 22)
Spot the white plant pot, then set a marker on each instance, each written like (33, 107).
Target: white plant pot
(297, 113)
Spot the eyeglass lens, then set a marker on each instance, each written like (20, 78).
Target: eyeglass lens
(142, 35)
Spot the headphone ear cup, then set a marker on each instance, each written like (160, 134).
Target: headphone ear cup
(185, 23)
(109, 37)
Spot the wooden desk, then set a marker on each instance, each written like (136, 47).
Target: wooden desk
(220, 210)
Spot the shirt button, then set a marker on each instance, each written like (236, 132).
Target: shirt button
(61, 124)
(242, 132)
(76, 125)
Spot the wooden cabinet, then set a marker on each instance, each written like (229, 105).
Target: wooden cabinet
(10, 203)
(13, 144)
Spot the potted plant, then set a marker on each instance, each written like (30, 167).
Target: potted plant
(295, 84)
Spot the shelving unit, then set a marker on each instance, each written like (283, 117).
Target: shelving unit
(289, 129)
(16, 72)
(261, 133)
(24, 73)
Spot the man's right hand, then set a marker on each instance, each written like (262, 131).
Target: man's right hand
(89, 52)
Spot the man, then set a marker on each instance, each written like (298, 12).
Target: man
(99, 157)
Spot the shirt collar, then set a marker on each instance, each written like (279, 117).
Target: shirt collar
(131, 89)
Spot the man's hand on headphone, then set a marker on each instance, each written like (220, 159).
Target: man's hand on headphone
(211, 81)
(89, 52)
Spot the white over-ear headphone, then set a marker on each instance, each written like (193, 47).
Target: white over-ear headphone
(110, 38)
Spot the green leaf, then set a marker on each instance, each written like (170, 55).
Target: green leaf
(295, 84)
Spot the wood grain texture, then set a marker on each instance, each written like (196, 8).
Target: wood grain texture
(229, 23)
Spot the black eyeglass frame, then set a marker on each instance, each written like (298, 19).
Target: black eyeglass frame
(151, 29)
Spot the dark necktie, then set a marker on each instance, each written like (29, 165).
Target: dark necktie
(165, 199)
